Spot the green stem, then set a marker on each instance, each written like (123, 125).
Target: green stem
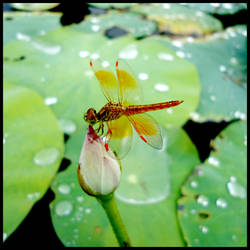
(110, 207)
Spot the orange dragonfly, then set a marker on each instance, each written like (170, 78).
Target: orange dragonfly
(123, 109)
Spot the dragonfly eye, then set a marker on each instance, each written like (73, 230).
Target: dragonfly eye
(90, 116)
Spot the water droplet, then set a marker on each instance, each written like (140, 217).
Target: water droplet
(244, 33)
(80, 199)
(50, 100)
(235, 189)
(87, 210)
(64, 189)
(213, 161)
(94, 20)
(23, 37)
(193, 211)
(33, 196)
(166, 6)
(199, 13)
(227, 5)
(203, 200)
(177, 43)
(215, 4)
(194, 184)
(204, 229)
(132, 178)
(130, 52)
(240, 115)
(223, 68)
(234, 237)
(212, 98)
(234, 60)
(52, 50)
(95, 56)
(95, 28)
(181, 54)
(245, 140)
(105, 64)
(165, 56)
(67, 126)
(190, 39)
(46, 156)
(162, 87)
(47, 65)
(221, 203)
(169, 111)
(195, 116)
(143, 76)
(63, 208)
(84, 53)
(5, 135)
(4, 236)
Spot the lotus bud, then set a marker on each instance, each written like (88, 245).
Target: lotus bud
(98, 170)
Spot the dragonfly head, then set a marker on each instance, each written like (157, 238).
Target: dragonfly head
(91, 116)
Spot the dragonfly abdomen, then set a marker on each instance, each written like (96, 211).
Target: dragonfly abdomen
(137, 109)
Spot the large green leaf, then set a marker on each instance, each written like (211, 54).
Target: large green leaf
(146, 197)
(214, 204)
(57, 65)
(21, 25)
(130, 22)
(221, 61)
(179, 19)
(33, 149)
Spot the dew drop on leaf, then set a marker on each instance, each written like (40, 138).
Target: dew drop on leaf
(67, 126)
(203, 200)
(221, 203)
(236, 190)
(64, 189)
(46, 156)
(63, 208)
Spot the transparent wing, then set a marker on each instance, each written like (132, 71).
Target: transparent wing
(107, 80)
(119, 136)
(148, 129)
(129, 89)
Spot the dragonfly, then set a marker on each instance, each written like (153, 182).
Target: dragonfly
(124, 109)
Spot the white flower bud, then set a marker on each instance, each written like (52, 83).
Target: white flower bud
(98, 170)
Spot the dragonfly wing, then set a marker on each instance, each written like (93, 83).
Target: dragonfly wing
(119, 136)
(130, 91)
(148, 129)
(106, 79)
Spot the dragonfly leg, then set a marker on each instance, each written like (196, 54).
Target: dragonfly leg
(101, 127)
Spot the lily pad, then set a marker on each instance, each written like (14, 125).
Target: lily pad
(130, 22)
(18, 25)
(218, 8)
(214, 202)
(179, 19)
(32, 152)
(149, 188)
(221, 60)
(163, 75)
